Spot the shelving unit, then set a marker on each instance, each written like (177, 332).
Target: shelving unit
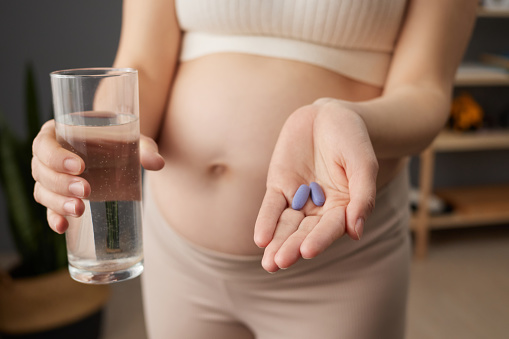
(449, 141)
(473, 206)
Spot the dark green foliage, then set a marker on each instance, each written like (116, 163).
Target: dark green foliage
(41, 249)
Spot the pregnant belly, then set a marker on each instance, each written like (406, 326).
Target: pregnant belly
(223, 120)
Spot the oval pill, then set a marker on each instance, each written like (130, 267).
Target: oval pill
(301, 197)
(317, 195)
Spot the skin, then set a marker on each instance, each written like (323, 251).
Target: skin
(235, 157)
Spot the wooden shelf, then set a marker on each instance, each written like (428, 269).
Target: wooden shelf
(449, 141)
(472, 206)
(481, 75)
(492, 13)
(482, 81)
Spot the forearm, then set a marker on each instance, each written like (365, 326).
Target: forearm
(404, 121)
(155, 81)
(150, 42)
(416, 100)
(154, 91)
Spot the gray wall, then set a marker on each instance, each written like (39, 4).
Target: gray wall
(55, 34)
(61, 34)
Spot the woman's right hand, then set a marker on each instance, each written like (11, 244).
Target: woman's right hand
(56, 172)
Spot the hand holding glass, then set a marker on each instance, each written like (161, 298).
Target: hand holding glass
(97, 117)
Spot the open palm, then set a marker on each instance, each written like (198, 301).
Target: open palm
(328, 144)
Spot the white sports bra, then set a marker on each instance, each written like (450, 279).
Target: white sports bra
(354, 38)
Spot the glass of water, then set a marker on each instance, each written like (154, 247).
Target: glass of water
(97, 117)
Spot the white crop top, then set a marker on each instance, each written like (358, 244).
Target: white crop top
(354, 38)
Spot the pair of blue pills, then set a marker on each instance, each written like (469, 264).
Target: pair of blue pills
(301, 196)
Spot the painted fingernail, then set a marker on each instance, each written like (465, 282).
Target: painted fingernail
(317, 195)
(53, 222)
(72, 165)
(77, 189)
(60, 230)
(359, 227)
(301, 197)
(70, 207)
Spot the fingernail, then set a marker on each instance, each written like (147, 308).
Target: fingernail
(161, 158)
(59, 230)
(359, 227)
(53, 222)
(77, 189)
(72, 165)
(70, 207)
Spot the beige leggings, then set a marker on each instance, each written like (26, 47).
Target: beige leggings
(354, 290)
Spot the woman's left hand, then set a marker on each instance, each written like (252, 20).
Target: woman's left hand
(328, 143)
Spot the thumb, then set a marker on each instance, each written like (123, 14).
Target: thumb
(149, 155)
(362, 187)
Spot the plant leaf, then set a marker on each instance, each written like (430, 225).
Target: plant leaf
(14, 188)
(41, 249)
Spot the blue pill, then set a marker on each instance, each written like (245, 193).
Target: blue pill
(317, 194)
(301, 197)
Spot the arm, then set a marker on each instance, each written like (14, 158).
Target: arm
(416, 99)
(150, 42)
(337, 143)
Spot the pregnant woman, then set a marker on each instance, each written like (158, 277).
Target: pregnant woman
(247, 100)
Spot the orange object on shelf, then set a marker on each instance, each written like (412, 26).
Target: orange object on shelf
(466, 113)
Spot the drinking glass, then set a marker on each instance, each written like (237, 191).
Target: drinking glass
(97, 117)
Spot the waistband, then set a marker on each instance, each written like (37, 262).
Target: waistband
(389, 219)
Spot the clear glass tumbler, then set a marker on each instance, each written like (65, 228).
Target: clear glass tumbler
(97, 117)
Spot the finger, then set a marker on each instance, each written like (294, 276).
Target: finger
(322, 101)
(60, 204)
(57, 222)
(288, 223)
(330, 228)
(272, 207)
(53, 155)
(289, 253)
(149, 154)
(59, 183)
(362, 187)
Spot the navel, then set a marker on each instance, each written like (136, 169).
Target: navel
(217, 170)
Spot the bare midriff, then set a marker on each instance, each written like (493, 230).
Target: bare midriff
(222, 122)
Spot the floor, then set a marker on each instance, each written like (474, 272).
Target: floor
(460, 291)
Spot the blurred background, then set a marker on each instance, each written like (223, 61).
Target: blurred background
(460, 284)
(52, 35)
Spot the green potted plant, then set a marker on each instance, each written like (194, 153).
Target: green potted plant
(38, 299)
